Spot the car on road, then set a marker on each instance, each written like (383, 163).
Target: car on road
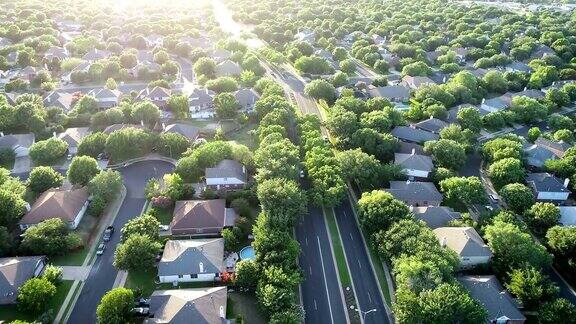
(301, 173)
(325, 138)
(494, 197)
(101, 249)
(108, 233)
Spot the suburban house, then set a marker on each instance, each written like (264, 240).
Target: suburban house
(467, 243)
(73, 136)
(435, 216)
(432, 125)
(542, 150)
(95, 55)
(55, 52)
(189, 131)
(501, 307)
(496, 104)
(201, 99)
(415, 193)
(567, 215)
(414, 165)
(62, 100)
(192, 305)
(542, 50)
(201, 42)
(105, 97)
(415, 82)
(221, 55)
(408, 148)
(19, 143)
(547, 187)
(116, 127)
(191, 260)
(201, 217)
(394, 93)
(306, 35)
(66, 204)
(411, 134)
(157, 95)
(518, 66)
(246, 98)
(14, 272)
(28, 73)
(226, 175)
(228, 68)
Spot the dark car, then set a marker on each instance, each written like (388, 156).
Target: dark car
(141, 311)
(143, 302)
(108, 233)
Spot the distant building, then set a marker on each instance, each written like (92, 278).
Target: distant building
(434, 216)
(414, 165)
(19, 143)
(411, 134)
(116, 127)
(191, 132)
(73, 136)
(96, 54)
(105, 97)
(433, 125)
(246, 98)
(201, 99)
(157, 95)
(394, 93)
(415, 82)
(228, 68)
(62, 100)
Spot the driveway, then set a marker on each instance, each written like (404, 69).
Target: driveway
(103, 273)
(22, 165)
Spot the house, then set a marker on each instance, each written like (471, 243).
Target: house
(201, 99)
(157, 95)
(246, 98)
(201, 42)
(541, 51)
(415, 193)
(116, 127)
(414, 165)
(518, 66)
(95, 55)
(201, 217)
(547, 187)
(228, 68)
(394, 93)
(411, 134)
(435, 216)
(55, 52)
(306, 35)
(461, 53)
(378, 40)
(408, 148)
(530, 93)
(467, 243)
(189, 131)
(28, 73)
(19, 143)
(501, 307)
(567, 215)
(191, 260)
(192, 305)
(226, 175)
(415, 82)
(62, 100)
(105, 97)
(496, 104)
(5, 42)
(83, 67)
(432, 125)
(66, 204)
(73, 136)
(154, 40)
(543, 150)
(14, 272)
(221, 55)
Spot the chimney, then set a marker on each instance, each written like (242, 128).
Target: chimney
(1, 134)
(201, 266)
(411, 208)
(54, 134)
(221, 312)
(444, 241)
(163, 126)
(142, 123)
(483, 99)
(566, 182)
(28, 207)
(408, 181)
(525, 88)
(431, 117)
(413, 151)
(444, 80)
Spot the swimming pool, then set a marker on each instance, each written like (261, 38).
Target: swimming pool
(247, 253)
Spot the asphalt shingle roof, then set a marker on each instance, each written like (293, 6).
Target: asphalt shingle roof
(182, 257)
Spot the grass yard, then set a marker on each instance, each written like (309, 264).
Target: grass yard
(163, 215)
(145, 282)
(244, 304)
(338, 249)
(10, 313)
(244, 136)
(75, 258)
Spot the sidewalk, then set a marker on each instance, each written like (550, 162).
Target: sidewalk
(76, 273)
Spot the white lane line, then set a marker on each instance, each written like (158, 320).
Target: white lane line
(369, 297)
(315, 305)
(325, 281)
(360, 265)
(351, 236)
(306, 238)
(310, 270)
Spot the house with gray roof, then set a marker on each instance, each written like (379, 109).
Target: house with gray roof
(435, 216)
(415, 82)
(496, 104)
(411, 134)
(228, 68)
(467, 243)
(191, 260)
(157, 95)
(201, 99)
(73, 136)
(105, 97)
(226, 175)
(55, 52)
(19, 143)
(14, 272)
(414, 165)
(192, 305)
(409, 148)
(558, 148)
(116, 127)
(543, 150)
(394, 93)
(62, 100)
(501, 307)
(547, 187)
(96, 54)
(518, 66)
(542, 50)
(191, 132)
(416, 193)
(433, 125)
(221, 54)
(246, 98)
(201, 217)
(567, 215)
(530, 93)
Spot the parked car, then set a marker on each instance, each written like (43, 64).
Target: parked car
(101, 249)
(141, 311)
(108, 233)
(143, 302)
(163, 228)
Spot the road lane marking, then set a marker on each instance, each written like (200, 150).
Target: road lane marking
(369, 297)
(315, 305)
(360, 265)
(325, 281)
(352, 238)
(306, 241)
(310, 271)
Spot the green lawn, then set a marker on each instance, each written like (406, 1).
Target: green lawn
(75, 258)
(145, 282)
(10, 313)
(163, 215)
(244, 305)
(338, 249)
(244, 136)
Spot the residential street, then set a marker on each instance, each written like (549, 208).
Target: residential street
(321, 295)
(365, 282)
(102, 276)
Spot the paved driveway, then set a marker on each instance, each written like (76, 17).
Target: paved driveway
(102, 275)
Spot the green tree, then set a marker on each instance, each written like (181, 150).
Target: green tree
(528, 110)
(12, 208)
(82, 169)
(205, 66)
(172, 144)
(43, 178)
(447, 153)
(562, 240)
(541, 216)
(146, 112)
(106, 185)
(92, 145)
(283, 200)
(465, 190)
(50, 237)
(360, 167)
(506, 171)
(222, 84)
(378, 210)
(143, 225)
(35, 295)
(247, 274)
(470, 118)
(128, 143)
(531, 287)
(48, 151)
(116, 306)
(517, 196)
(53, 274)
(533, 134)
(321, 89)
(559, 310)
(226, 105)
(178, 104)
(137, 253)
